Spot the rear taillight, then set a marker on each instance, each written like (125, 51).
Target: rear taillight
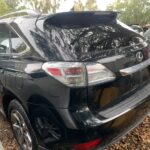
(78, 74)
(70, 74)
(87, 146)
(97, 74)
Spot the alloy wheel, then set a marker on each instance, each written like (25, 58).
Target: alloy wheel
(47, 130)
(21, 130)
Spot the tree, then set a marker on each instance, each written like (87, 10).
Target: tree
(12, 3)
(78, 6)
(91, 5)
(132, 11)
(4, 8)
(43, 6)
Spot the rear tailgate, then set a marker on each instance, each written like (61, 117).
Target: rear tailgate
(130, 63)
(97, 37)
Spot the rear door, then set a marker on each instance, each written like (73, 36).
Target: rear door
(22, 64)
(14, 72)
(4, 53)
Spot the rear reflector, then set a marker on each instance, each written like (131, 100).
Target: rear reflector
(76, 74)
(87, 146)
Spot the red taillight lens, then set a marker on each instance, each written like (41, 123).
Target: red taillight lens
(55, 71)
(87, 146)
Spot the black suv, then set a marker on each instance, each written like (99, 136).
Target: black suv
(73, 80)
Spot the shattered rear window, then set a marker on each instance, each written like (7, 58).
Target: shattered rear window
(95, 41)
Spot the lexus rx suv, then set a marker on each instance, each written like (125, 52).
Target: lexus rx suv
(73, 80)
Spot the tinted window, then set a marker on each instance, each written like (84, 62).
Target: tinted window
(100, 40)
(17, 44)
(4, 39)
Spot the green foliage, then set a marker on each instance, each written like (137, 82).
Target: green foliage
(132, 11)
(46, 5)
(89, 6)
(43, 6)
(78, 6)
(4, 8)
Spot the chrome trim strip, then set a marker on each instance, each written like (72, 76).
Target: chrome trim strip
(110, 59)
(133, 69)
(112, 118)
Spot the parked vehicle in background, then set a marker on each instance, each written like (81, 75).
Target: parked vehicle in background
(147, 35)
(77, 80)
(146, 27)
(138, 29)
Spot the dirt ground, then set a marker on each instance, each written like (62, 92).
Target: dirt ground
(138, 139)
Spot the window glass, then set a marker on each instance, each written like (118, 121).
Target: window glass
(4, 39)
(96, 41)
(147, 33)
(18, 45)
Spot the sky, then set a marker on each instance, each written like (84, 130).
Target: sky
(67, 5)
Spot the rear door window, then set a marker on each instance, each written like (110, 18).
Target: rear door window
(18, 46)
(4, 39)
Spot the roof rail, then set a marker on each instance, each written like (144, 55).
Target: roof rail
(20, 13)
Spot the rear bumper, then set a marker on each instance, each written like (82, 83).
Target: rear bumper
(84, 118)
(91, 126)
(124, 124)
(111, 124)
(111, 131)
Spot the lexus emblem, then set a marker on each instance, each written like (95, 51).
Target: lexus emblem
(139, 56)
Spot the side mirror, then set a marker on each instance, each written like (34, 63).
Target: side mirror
(3, 49)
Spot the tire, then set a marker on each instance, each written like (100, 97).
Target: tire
(15, 113)
(45, 115)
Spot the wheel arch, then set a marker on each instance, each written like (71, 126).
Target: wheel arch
(38, 101)
(34, 102)
(41, 103)
(7, 97)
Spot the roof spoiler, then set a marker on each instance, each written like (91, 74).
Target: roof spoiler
(82, 18)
